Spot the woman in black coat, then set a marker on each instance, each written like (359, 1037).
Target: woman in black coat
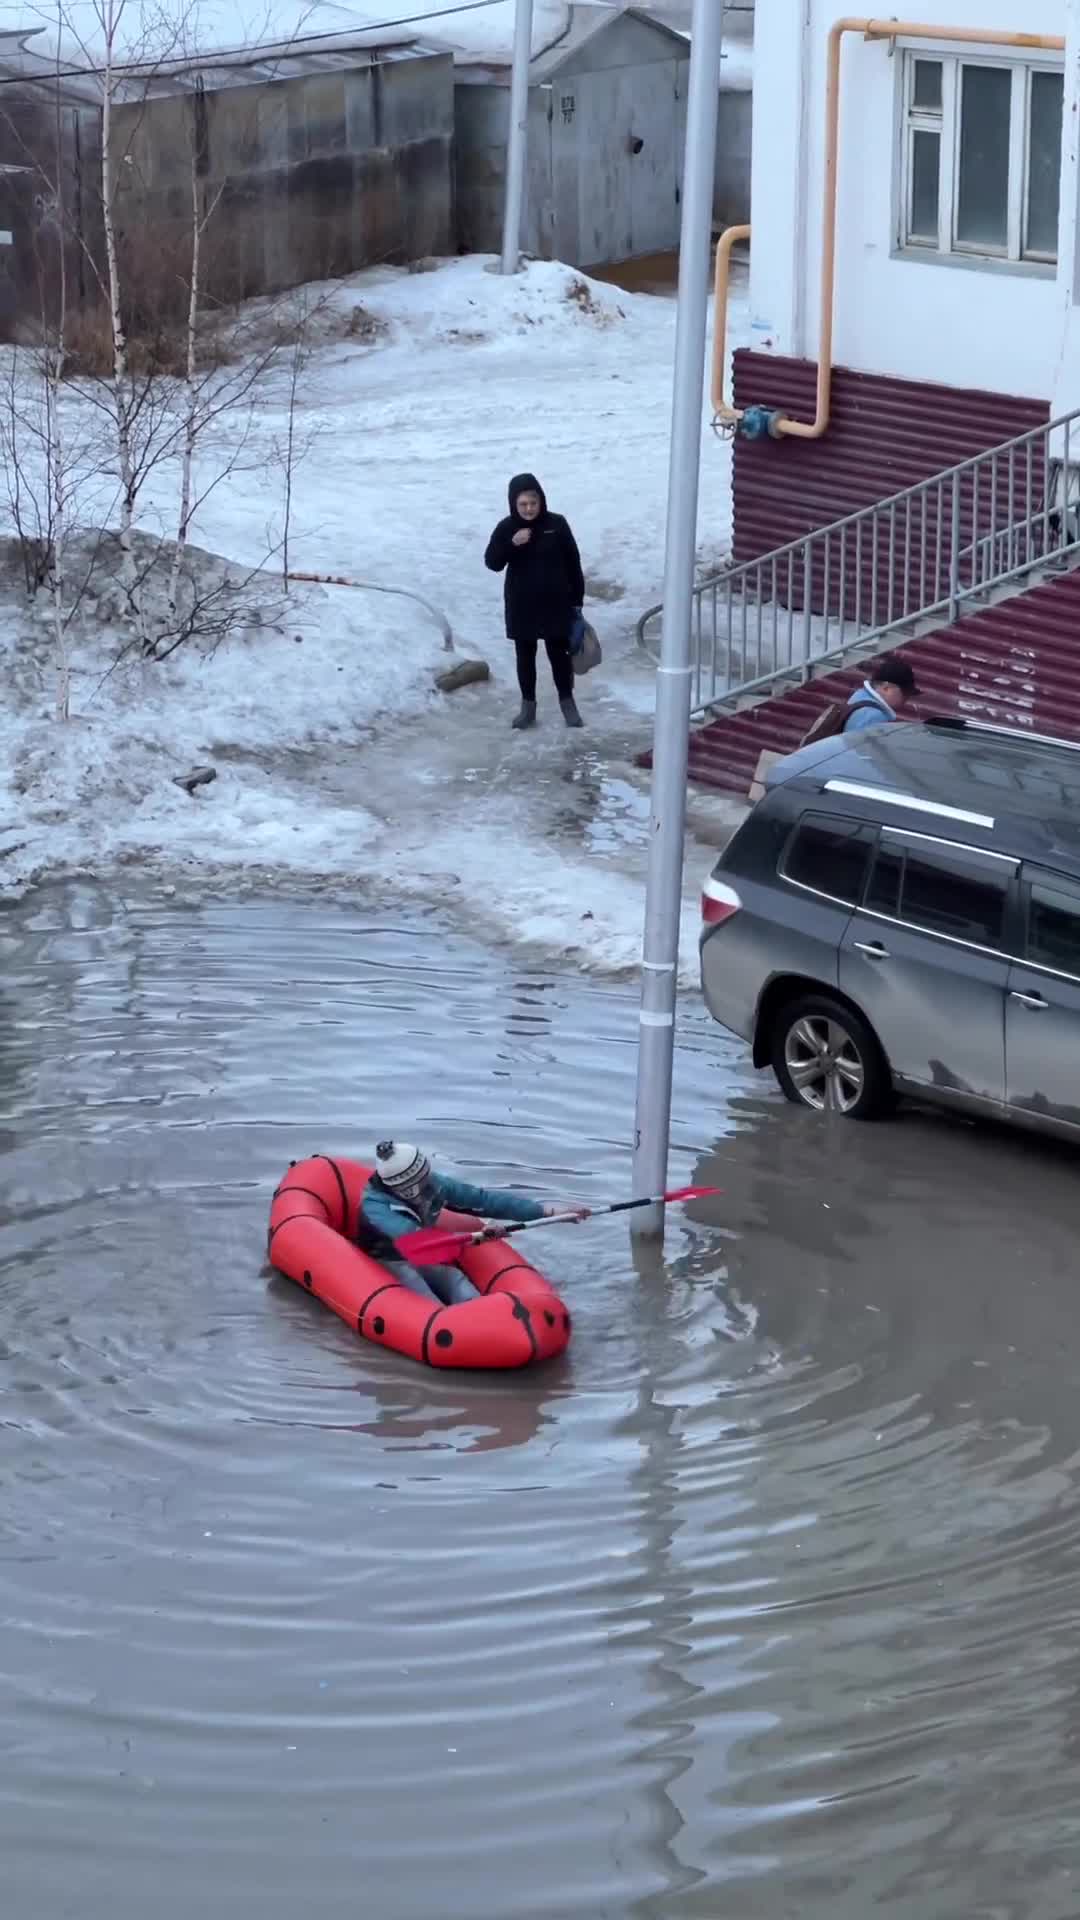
(544, 590)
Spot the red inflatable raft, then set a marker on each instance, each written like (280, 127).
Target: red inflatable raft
(517, 1319)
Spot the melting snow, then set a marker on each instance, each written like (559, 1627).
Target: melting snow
(336, 758)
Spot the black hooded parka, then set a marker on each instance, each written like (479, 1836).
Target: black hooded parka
(544, 584)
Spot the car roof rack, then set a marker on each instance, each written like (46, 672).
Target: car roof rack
(956, 723)
(914, 802)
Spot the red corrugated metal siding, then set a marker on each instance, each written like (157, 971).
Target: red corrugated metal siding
(897, 563)
(884, 435)
(1017, 664)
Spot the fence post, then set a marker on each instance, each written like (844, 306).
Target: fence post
(808, 607)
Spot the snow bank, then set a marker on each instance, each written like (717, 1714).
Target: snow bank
(463, 302)
(102, 787)
(335, 758)
(536, 895)
(484, 376)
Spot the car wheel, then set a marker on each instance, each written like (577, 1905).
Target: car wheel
(826, 1057)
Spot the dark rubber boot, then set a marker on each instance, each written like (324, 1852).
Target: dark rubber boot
(526, 718)
(570, 713)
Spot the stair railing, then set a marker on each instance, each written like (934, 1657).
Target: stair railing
(934, 551)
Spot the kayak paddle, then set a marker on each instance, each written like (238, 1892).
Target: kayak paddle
(430, 1245)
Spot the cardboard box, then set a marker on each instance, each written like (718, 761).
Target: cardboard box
(767, 758)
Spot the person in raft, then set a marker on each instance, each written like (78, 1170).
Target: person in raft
(543, 592)
(405, 1193)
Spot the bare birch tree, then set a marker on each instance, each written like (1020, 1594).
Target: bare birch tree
(180, 388)
(46, 455)
(57, 480)
(201, 216)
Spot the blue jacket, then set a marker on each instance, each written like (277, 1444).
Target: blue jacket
(389, 1214)
(867, 709)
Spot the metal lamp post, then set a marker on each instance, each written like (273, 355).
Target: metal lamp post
(517, 143)
(667, 826)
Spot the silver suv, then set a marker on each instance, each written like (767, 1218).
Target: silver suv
(903, 915)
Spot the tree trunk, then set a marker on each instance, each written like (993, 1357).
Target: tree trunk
(190, 429)
(121, 384)
(57, 577)
(57, 482)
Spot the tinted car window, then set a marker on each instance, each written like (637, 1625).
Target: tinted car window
(955, 893)
(883, 893)
(944, 889)
(1053, 926)
(829, 855)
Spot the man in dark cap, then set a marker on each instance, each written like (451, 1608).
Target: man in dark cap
(880, 700)
(882, 697)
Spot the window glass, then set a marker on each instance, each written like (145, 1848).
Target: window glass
(1044, 163)
(949, 893)
(982, 199)
(982, 157)
(1053, 930)
(829, 855)
(883, 893)
(925, 190)
(944, 889)
(926, 86)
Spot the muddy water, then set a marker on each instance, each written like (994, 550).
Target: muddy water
(656, 273)
(764, 1603)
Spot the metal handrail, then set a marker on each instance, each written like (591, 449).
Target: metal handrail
(932, 549)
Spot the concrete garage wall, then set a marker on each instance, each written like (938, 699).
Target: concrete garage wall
(606, 126)
(46, 145)
(731, 205)
(483, 126)
(314, 176)
(607, 129)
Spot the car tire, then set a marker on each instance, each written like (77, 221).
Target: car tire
(826, 1057)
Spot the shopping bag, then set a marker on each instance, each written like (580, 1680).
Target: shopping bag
(585, 650)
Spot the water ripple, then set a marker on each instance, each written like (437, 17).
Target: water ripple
(761, 1601)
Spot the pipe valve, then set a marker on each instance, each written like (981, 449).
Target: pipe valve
(762, 423)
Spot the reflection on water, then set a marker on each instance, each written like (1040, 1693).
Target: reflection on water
(762, 1601)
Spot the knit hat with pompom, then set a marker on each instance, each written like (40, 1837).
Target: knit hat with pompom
(402, 1168)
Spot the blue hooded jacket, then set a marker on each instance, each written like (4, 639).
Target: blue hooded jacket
(389, 1214)
(864, 709)
(867, 709)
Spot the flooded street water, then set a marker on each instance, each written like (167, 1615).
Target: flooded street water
(763, 1602)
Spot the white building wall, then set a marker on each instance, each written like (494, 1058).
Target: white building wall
(992, 326)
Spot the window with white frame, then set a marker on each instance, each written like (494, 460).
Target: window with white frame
(980, 169)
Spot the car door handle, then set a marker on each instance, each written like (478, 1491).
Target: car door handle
(1034, 1001)
(872, 949)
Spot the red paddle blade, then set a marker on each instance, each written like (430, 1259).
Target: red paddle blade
(691, 1193)
(428, 1246)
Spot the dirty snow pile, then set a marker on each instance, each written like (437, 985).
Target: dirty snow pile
(456, 379)
(336, 759)
(103, 787)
